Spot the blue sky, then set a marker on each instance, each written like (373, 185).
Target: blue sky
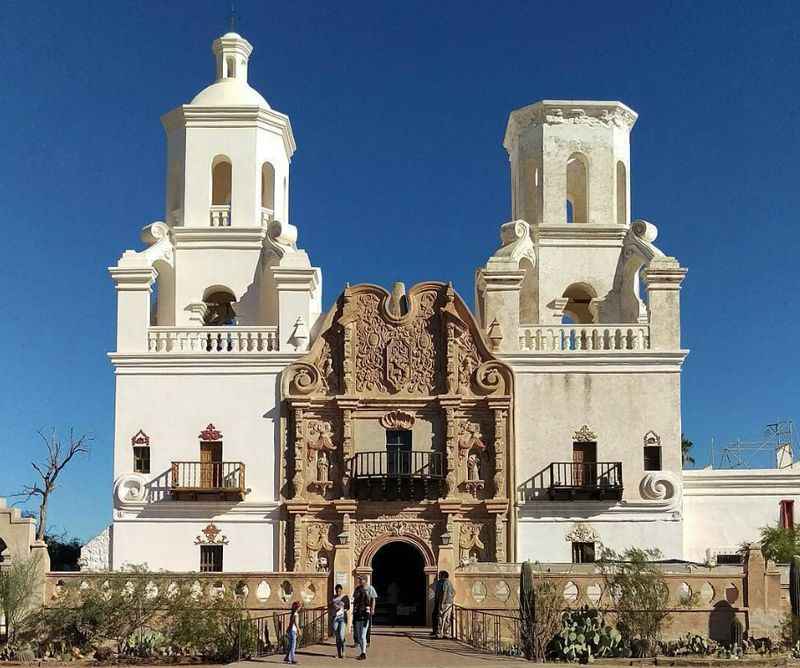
(398, 109)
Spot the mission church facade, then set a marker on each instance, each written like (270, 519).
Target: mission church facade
(253, 432)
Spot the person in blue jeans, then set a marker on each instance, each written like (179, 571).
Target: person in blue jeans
(292, 631)
(364, 597)
(340, 605)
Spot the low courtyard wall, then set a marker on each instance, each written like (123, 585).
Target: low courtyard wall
(703, 599)
(262, 592)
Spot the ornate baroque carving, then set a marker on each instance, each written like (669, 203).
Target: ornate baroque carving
(398, 420)
(140, 438)
(652, 439)
(319, 549)
(210, 433)
(581, 533)
(211, 535)
(584, 435)
(471, 547)
(368, 531)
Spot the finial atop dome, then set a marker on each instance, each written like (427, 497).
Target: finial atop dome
(232, 52)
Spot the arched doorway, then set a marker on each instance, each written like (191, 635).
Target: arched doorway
(398, 575)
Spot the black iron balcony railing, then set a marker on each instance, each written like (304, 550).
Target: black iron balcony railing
(398, 464)
(584, 480)
(212, 477)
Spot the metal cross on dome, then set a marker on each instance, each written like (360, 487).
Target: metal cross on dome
(232, 19)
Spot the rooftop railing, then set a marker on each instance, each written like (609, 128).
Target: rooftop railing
(213, 340)
(574, 338)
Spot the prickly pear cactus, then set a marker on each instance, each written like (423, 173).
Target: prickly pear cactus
(794, 596)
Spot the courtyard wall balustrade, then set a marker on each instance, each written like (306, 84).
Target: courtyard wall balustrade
(260, 592)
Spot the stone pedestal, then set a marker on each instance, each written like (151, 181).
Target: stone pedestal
(663, 278)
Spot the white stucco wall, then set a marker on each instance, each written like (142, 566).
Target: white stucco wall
(544, 539)
(724, 508)
(172, 403)
(168, 543)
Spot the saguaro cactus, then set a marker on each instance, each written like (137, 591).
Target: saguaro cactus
(527, 610)
(794, 596)
(737, 633)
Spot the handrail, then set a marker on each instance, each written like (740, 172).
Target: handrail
(398, 464)
(586, 474)
(256, 634)
(486, 631)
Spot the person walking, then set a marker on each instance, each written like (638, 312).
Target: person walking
(292, 633)
(364, 597)
(340, 605)
(443, 600)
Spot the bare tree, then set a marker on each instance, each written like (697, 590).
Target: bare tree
(58, 456)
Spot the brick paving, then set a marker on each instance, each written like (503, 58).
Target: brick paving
(399, 648)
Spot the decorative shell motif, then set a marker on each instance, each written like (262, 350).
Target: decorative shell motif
(398, 419)
(581, 533)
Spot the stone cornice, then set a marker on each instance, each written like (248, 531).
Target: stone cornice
(579, 234)
(644, 361)
(201, 363)
(664, 273)
(132, 278)
(571, 511)
(242, 238)
(191, 511)
(610, 114)
(194, 116)
(742, 482)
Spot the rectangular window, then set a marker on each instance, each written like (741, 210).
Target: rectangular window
(398, 451)
(211, 558)
(652, 458)
(582, 553)
(141, 459)
(729, 558)
(786, 518)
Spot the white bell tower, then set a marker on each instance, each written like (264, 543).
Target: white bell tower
(226, 253)
(228, 151)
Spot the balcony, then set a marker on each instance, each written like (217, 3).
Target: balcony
(212, 340)
(399, 474)
(578, 338)
(570, 481)
(223, 481)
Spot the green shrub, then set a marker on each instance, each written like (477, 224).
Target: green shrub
(640, 595)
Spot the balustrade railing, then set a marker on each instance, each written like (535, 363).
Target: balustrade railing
(218, 340)
(602, 479)
(398, 464)
(207, 477)
(569, 338)
(220, 215)
(486, 631)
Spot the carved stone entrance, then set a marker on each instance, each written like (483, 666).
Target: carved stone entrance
(402, 568)
(398, 575)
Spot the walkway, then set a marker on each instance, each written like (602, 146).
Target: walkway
(398, 648)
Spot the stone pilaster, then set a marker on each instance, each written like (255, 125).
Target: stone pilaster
(663, 278)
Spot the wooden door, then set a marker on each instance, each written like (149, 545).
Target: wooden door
(210, 465)
(584, 460)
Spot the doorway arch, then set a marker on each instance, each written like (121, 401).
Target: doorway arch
(400, 577)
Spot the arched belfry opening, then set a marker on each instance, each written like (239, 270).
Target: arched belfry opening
(268, 190)
(579, 296)
(398, 575)
(577, 195)
(221, 182)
